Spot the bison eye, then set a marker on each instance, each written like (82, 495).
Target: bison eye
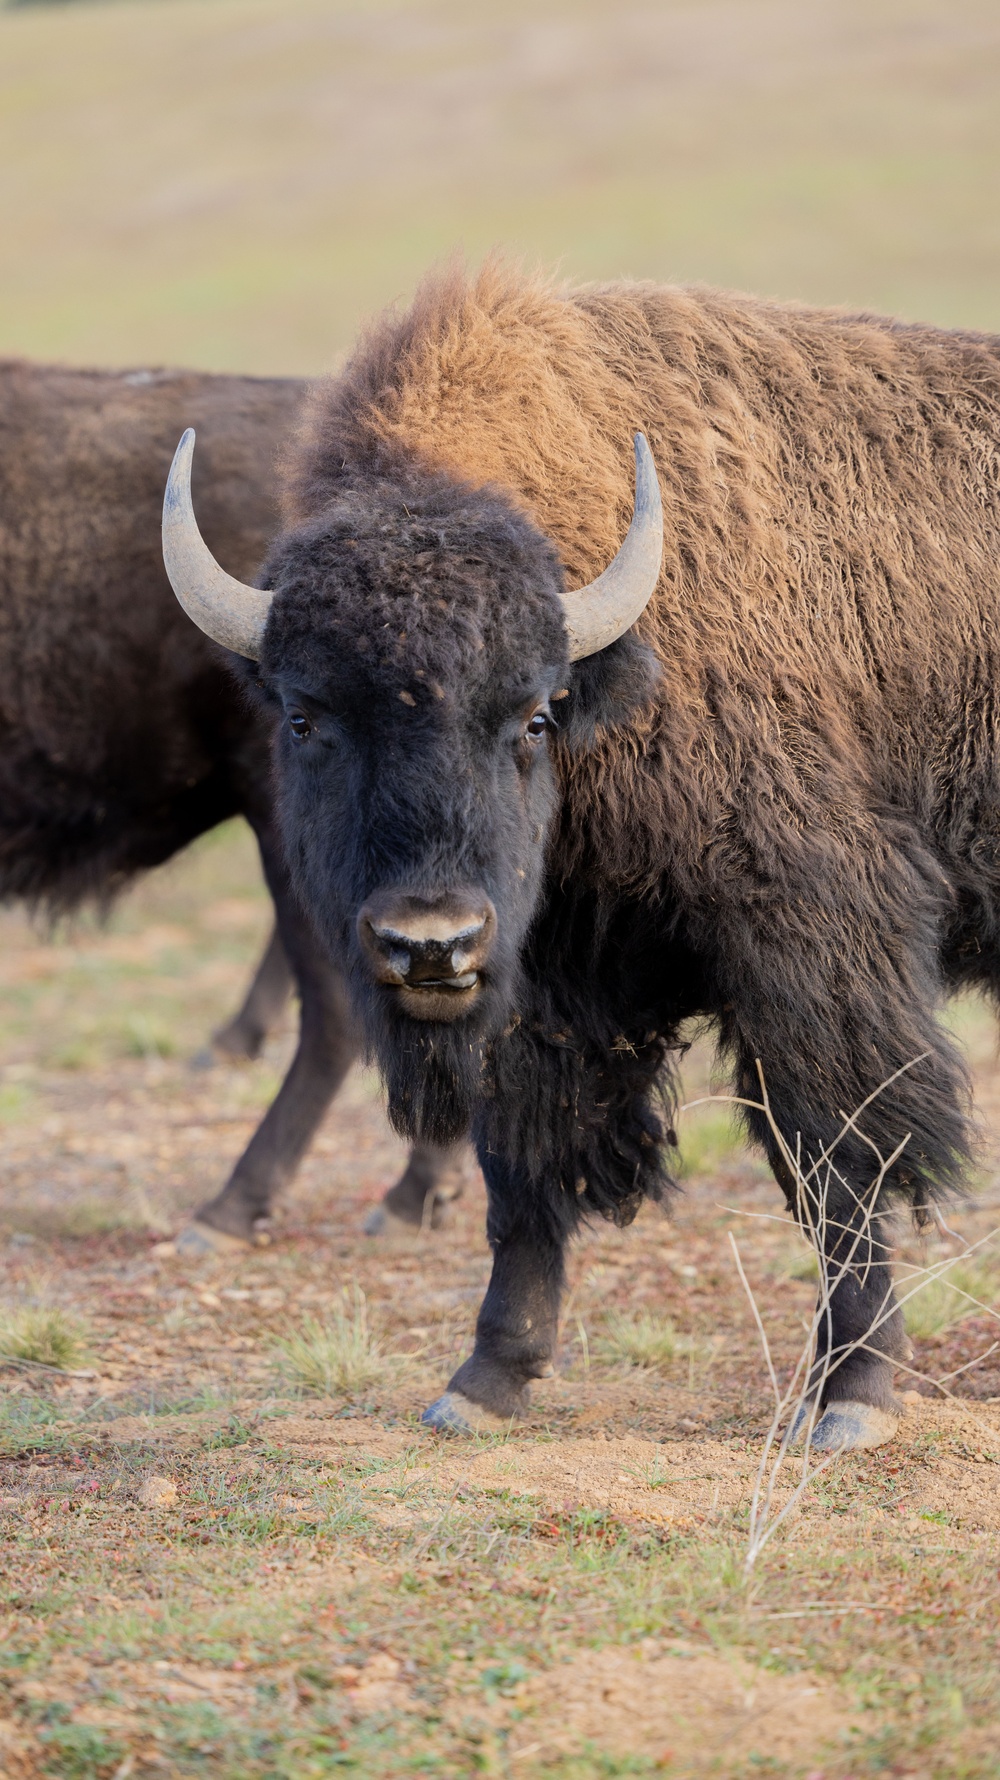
(537, 725)
(299, 725)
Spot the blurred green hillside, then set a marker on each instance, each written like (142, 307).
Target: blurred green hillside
(236, 183)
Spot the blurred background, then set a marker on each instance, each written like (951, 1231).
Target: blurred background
(235, 184)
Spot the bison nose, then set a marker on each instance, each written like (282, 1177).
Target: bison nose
(419, 943)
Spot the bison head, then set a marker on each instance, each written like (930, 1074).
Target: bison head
(417, 642)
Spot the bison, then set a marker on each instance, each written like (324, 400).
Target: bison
(122, 735)
(543, 812)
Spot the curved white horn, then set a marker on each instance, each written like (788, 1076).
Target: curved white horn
(225, 609)
(600, 613)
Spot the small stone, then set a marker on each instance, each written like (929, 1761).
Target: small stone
(157, 1492)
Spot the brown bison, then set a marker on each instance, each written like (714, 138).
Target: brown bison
(122, 735)
(539, 830)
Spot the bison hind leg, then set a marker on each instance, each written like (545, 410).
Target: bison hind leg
(433, 1179)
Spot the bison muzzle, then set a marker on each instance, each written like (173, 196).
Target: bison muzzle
(432, 951)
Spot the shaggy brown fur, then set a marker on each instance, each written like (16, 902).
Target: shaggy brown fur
(827, 616)
(802, 821)
(832, 527)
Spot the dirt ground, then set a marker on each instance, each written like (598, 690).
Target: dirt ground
(207, 1569)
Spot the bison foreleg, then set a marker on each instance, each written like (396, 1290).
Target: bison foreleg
(517, 1327)
(860, 1336)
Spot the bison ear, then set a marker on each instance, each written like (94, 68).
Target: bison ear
(608, 689)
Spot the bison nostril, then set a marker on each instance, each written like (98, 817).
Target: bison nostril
(399, 961)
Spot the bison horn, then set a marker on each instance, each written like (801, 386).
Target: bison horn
(600, 613)
(224, 608)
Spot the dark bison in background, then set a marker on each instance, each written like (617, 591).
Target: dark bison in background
(122, 735)
(538, 835)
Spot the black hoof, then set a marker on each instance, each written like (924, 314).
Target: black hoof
(453, 1413)
(199, 1239)
(845, 1427)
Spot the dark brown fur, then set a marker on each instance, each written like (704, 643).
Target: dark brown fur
(826, 618)
(122, 733)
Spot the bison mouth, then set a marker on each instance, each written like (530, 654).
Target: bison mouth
(438, 998)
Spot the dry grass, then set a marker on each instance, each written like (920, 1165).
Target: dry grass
(339, 1357)
(42, 1337)
(640, 1339)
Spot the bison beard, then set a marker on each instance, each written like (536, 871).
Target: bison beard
(433, 1078)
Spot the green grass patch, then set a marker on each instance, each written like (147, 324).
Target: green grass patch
(79, 1751)
(640, 1339)
(143, 1037)
(16, 1100)
(709, 1137)
(30, 1423)
(943, 1301)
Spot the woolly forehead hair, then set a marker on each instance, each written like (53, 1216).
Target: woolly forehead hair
(492, 377)
(403, 571)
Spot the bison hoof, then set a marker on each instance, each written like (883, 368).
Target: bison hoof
(201, 1239)
(384, 1220)
(455, 1414)
(846, 1427)
(381, 1221)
